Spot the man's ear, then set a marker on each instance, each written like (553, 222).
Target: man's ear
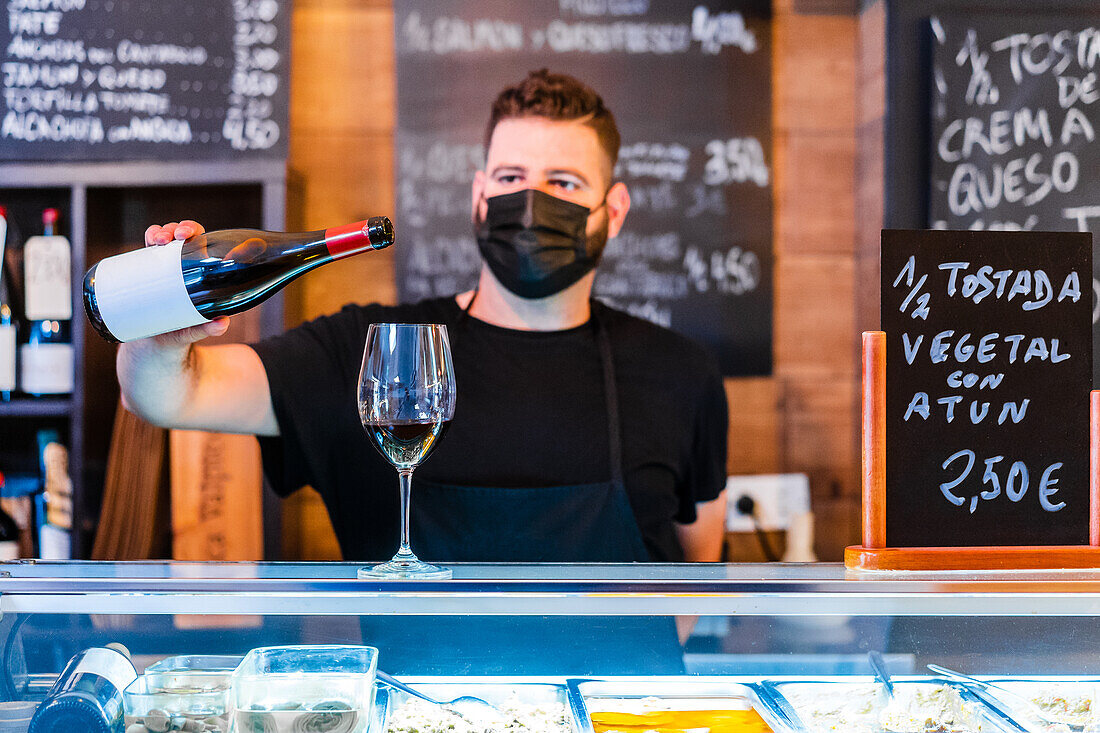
(618, 203)
(476, 192)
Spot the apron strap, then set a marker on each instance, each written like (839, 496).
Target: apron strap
(611, 399)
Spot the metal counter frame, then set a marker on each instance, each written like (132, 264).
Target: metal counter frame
(570, 589)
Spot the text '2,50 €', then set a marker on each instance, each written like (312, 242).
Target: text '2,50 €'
(159, 289)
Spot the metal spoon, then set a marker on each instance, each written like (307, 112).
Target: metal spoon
(468, 701)
(878, 666)
(1016, 697)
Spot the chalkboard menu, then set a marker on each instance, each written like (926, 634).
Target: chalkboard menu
(988, 372)
(1014, 115)
(126, 79)
(690, 87)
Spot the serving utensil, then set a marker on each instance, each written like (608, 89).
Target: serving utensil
(878, 666)
(1015, 697)
(474, 707)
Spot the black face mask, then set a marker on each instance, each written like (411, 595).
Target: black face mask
(535, 244)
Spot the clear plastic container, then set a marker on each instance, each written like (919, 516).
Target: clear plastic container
(193, 671)
(304, 688)
(159, 704)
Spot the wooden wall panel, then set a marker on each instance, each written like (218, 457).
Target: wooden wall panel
(818, 218)
(818, 436)
(754, 435)
(814, 316)
(342, 69)
(814, 72)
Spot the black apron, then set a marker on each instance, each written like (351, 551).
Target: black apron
(581, 523)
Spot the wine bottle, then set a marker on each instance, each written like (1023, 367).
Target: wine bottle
(8, 322)
(87, 697)
(159, 289)
(46, 350)
(9, 533)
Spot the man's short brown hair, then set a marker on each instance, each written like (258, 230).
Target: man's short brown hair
(556, 97)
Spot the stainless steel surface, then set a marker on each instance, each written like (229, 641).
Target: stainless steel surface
(571, 589)
(670, 689)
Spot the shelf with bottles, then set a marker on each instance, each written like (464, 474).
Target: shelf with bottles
(37, 358)
(104, 209)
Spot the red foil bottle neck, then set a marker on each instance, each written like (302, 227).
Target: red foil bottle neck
(348, 238)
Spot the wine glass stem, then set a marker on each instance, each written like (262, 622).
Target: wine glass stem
(405, 477)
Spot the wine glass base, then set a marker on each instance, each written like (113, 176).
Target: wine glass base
(405, 570)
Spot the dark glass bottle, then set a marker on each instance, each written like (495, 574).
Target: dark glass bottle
(159, 289)
(9, 324)
(46, 351)
(87, 697)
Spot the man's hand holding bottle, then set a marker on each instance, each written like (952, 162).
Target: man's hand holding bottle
(157, 235)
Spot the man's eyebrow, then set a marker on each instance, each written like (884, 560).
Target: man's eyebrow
(508, 169)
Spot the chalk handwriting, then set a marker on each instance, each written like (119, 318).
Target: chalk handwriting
(1015, 483)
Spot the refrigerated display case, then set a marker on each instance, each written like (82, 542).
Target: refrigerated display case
(590, 631)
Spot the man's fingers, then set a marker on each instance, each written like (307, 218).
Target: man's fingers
(188, 228)
(155, 235)
(158, 234)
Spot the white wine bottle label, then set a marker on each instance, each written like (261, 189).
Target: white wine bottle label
(7, 358)
(141, 293)
(108, 664)
(47, 271)
(46, 368)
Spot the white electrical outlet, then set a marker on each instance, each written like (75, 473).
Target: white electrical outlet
(778, 496)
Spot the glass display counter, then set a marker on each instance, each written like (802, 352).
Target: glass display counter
(587, 624)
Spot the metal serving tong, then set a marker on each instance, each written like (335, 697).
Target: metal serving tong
(470, 703)
(1017, 699)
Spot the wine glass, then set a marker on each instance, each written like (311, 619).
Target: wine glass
(406, 401)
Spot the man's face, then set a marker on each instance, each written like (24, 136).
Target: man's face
(561, 158)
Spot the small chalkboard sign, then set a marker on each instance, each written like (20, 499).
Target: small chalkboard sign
(988, 374)
(139, 79)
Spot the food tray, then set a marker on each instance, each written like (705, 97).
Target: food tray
(1009, 708)
(448, 688)
(990, 718)
(750, 692)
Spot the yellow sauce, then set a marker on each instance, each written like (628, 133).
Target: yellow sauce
(679, 721)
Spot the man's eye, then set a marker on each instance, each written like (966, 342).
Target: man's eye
(565, 185)
(507, 178)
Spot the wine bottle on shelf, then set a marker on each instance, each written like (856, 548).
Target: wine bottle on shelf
(8, 322)
(87, 696)
(155, 290)
(9, 532)
(46, 350)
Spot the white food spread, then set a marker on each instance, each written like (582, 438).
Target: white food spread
(860, 708)
(827, 709)
(418, 716)
(929, 709)
(1067, 703)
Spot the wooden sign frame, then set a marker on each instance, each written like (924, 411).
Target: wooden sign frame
(873, 554)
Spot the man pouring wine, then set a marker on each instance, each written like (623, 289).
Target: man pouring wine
(580, 433)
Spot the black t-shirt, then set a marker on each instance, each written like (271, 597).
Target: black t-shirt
(530, 412)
